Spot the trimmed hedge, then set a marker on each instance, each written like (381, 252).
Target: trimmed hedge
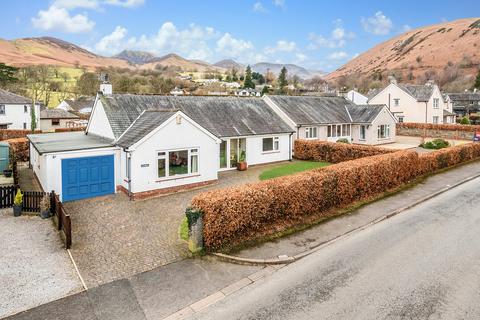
(241, 214)
(19, 149)
(70, 129)
(431, 126)
(6, 134)
(334, 152)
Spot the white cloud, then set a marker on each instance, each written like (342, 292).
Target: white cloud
(125, 3)
(258, 7)
(338, 55)
(282, 46)
(379, 24)
(231, 47)
(59, 19)
(112, 43)
(300, 57)
(279, 3)
(337, 39)
(73, 4)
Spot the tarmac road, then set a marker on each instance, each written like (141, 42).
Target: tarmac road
(421, 264)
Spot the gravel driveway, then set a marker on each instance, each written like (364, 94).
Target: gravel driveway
(114, 237)
(34, 266)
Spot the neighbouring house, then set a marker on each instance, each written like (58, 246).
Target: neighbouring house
(464, 103)
(248, 92)
(356, 97)
(16, 111)
(80, 106)
(334, 118)
(414, 103)
(177, 92)
(147, 145)
(51, 119)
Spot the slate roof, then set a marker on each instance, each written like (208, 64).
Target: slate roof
(56, 114)
(420, 92)
(67, 141)
(314, 110)
(464, 96)
(447, 113)
(7, 97)
(143, 125)
(222, 116)
(81, 103)
(364, 113)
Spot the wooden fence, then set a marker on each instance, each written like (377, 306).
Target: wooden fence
(31, 203)
(7, 195)
(62, 219)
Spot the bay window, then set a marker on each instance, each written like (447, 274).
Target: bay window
(338, 130)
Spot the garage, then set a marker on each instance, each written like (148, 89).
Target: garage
(87, 177)
(75, 165)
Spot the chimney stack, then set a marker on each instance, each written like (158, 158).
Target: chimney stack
(105, 85)
(430, 83)
(392, 79)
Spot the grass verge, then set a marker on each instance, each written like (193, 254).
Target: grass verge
(291, 168)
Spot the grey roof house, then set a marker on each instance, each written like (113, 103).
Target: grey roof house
(334, 118)
(16, 111)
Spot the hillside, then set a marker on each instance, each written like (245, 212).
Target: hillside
(135, 57)
(229, 64)
(175, 61)
(424, 49)
(52, 51)
(292, 69)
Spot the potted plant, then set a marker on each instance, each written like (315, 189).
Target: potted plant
(45, 207)
(242, 164)
(8, 172)
(17, 203)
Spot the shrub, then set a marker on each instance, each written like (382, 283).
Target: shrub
(240, 214)
(464, 121)
(18, 198)
(343, 140)
(334, 152)
(19, 149)
(6, 134)
(431, 126)
(435, 144)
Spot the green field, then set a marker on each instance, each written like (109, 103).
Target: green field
(291, 168)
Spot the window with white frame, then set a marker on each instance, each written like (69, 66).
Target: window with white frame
(177, 162)
(24, 126)
(25, 109)
(396, 102)
(338, 130)
(2, 109)
(363, 132)
(400, 119)
(383, 131)
(436, 103)
(270, 144)
(435, 119)
(311, 133)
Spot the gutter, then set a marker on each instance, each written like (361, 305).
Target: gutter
(129, 172)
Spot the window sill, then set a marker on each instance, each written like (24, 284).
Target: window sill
(315, 138)
(178, 177)
(388, 138)
(270, 152)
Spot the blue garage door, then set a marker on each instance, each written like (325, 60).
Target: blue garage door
(87, 177)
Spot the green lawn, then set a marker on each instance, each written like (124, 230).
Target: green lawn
(291, 168)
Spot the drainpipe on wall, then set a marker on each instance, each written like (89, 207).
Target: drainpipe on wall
(129, 174)
(290, 147)
(389, 102)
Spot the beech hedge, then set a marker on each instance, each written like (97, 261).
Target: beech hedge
(237, 215)
(19, 149)
(334, 152)
(6, 134)
(70, 129)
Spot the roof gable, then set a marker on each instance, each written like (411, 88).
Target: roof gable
(364, 113)
(56, 114)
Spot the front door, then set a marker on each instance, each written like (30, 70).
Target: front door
(237, 151)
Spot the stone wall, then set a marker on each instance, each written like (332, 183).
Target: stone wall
(429, 132)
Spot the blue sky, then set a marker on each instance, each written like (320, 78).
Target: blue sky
(316, 34)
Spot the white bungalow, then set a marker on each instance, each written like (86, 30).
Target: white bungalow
(150, 145)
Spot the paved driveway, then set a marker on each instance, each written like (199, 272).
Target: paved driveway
(114, 237)
(34, 266)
